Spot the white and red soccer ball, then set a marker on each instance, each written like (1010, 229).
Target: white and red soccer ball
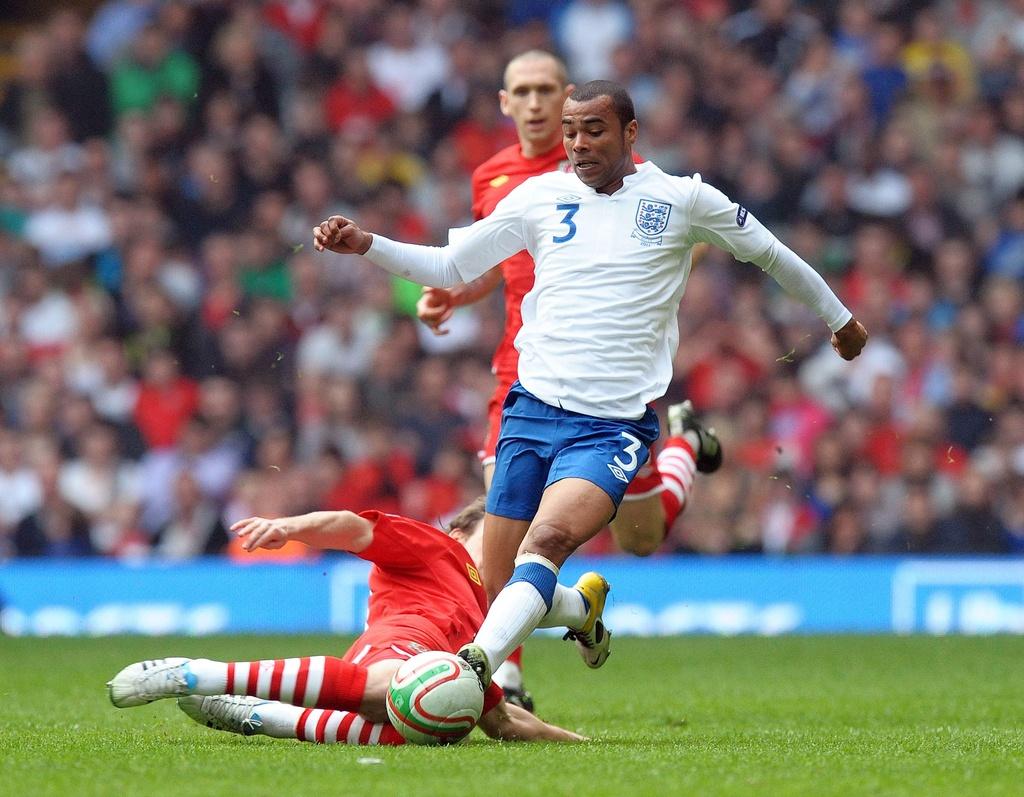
(435, 698)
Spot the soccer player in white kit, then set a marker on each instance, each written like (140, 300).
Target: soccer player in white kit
(611, 242)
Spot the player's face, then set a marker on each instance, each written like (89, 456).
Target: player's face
(599, 149)
(532, 98)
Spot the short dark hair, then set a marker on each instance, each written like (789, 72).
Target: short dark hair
(561, 73)
(622, 103)
(468, 517)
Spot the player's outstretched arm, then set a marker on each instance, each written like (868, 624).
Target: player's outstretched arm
(514, 724)
(427, 265)
(716, 219)
(436, 305)
(335, 531)
(472, 250)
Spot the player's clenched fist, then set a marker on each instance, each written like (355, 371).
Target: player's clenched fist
(341, 235)
(849, 340)
(435, 307)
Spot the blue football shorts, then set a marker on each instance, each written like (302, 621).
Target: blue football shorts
(540, 445)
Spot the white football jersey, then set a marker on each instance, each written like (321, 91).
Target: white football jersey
(600, 325)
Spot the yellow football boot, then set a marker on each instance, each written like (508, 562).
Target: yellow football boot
(593, 640)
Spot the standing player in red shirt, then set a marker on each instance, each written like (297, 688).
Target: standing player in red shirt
(425, 594)
(535, 88)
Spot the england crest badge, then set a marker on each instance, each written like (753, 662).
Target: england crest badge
(651, 221)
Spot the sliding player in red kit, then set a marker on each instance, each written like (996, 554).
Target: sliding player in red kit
(425, 594)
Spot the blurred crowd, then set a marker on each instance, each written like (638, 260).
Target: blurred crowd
(174, 357)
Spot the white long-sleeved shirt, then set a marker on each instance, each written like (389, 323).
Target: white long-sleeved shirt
(600, 325)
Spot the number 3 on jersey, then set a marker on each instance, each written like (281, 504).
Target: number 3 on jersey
(570, 211)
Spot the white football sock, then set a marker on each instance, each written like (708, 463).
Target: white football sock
(211, 676)
(283, 721)
(517, 609)
(513, 616)
(508, 675)
(280, 720)
(568, 608)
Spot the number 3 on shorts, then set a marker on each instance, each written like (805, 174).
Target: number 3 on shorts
(631, 449)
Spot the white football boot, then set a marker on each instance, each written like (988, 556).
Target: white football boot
(154, 679)
(231, 713)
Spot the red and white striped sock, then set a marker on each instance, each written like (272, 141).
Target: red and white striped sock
(677, 467)
(645, 483)
(324, 726)
(313, 681)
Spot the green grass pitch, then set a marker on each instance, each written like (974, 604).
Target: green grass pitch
(683, 716)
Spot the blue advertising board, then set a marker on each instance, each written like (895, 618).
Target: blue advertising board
(650, 597)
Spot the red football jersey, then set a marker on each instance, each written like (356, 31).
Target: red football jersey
(492, 182)
(420, 572)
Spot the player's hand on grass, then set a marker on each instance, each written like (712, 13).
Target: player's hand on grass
(849, 341)
(341, 235)
(434, 308)
(259, 532)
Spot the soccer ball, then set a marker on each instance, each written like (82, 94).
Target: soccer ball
(435, 698)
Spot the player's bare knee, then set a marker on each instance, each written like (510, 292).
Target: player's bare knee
(640, 546)
(552, 540)
(378, 679)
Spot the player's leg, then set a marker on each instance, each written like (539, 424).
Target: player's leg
(639, 527)
(571, 511)
(252, 716)
(579, 609)
(509, 675)
(311, 681)
(660, 491)
(595, 460)
(687, 431)
(502, 538)
(521, 469)
(500, 547)
(488, 453)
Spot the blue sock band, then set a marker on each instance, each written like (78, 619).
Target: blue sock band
(539, 577)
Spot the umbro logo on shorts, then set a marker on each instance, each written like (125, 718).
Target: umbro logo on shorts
(618, 473)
